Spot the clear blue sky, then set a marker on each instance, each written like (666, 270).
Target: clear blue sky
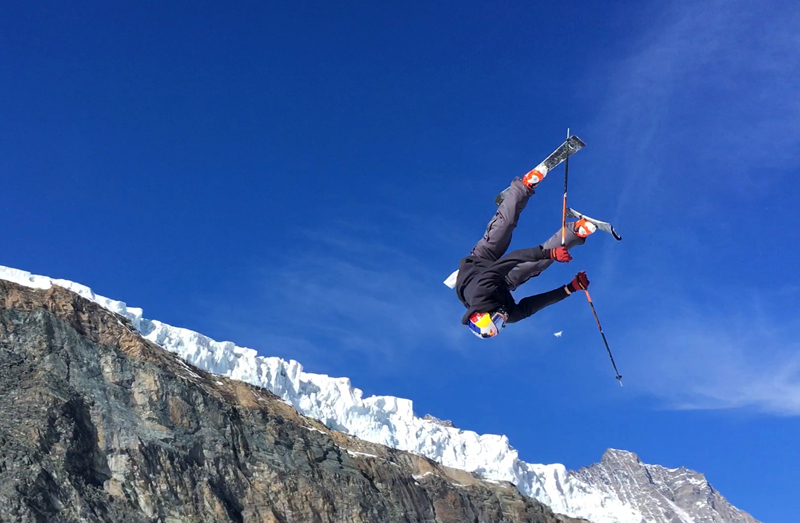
(300, 177)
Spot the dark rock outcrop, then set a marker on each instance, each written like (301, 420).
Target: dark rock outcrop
(99, 425)
(442, 422)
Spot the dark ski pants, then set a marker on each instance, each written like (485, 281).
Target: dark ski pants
(497, 237)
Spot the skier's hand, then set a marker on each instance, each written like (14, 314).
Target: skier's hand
(560, 254)
(579, 282)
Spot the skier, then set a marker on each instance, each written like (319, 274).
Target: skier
(487, 276)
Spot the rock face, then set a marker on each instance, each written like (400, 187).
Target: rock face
(662, 495)
(442, 422)
(98, 424)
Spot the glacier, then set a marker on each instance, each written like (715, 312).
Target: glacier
(385, 420)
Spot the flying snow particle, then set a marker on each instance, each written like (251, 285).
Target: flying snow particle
(558, 334)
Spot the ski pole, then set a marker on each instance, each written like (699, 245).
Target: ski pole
(564, 209)
(594, 311)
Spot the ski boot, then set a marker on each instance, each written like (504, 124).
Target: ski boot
(586, 225)
(531, 179)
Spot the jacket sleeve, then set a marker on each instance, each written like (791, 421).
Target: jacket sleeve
(533, 304)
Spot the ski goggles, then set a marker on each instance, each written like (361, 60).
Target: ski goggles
(487, 325)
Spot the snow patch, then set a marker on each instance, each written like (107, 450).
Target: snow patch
(362, 454)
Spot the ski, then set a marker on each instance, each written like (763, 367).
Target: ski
(603, 226)
(571, 145)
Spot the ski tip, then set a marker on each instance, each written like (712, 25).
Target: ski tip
(576, 141)
(615, 234)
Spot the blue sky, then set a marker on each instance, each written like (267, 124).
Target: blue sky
(300, 177)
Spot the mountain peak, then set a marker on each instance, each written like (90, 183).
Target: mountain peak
(660, 494)
(618, 456)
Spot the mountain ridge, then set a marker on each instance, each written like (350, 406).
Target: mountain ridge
(385, 420)
(380, 419)
(98, 424)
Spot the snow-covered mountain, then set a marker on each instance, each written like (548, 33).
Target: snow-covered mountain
(661, 494)
(609, 492)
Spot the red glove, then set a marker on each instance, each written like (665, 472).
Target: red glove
(579, 282)
(560, 254)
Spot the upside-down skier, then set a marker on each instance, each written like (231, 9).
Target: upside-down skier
(487, 276)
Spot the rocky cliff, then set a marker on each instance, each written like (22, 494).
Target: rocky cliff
(99, 424)
(662, 495)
